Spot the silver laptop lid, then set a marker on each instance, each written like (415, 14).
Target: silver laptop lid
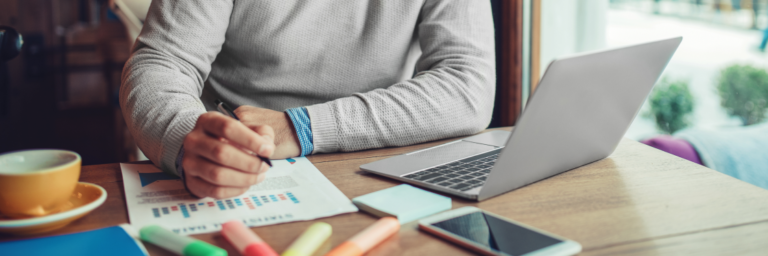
(580, 111)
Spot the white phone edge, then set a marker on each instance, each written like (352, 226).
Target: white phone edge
(564, 248)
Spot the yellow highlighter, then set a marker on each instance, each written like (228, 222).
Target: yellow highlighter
(310, 240)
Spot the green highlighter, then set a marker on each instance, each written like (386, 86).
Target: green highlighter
(182, 245)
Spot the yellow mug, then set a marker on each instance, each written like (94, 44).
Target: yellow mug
(37, 182)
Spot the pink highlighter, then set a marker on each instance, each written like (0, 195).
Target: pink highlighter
(246, 242)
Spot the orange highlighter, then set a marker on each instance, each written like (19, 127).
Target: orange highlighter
(246, 242)
(368, 238)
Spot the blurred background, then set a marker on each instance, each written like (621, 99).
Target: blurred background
(61, 91)
(716, 79)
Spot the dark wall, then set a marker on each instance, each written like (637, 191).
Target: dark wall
(58, 89)
(495, 5)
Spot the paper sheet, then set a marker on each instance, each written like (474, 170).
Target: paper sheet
(294, 190)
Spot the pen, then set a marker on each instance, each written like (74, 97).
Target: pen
(224, 109)
(181, 245)
(368, 238)
(246, 242)
(310, 240)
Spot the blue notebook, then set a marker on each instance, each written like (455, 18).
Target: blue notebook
(404, 202)
(106, 241)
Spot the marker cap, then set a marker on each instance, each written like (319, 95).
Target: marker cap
(165, 238)
(246, 242)
(200, 248)
(183, 245)
(261, 249)
(310, 240)
(346, 249)
(376, 233)
(368, 238)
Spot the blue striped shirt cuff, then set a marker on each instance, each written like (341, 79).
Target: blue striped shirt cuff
(300, 119)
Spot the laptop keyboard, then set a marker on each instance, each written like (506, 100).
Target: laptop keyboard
(459, 175)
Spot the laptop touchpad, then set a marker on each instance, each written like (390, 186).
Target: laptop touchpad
(453, 151)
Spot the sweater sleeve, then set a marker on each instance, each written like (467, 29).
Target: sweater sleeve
(163, 79)
(451, 94)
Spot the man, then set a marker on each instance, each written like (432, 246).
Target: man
(350, 75)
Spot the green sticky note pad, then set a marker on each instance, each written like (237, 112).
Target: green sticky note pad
(404, 202)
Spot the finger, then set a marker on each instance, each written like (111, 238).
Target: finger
(265, 131)
(242, 110)
(264, 169)
(261, 178)
(202, 188)
(234, 131)
(268, 134)
(222, 176)
(264, 166)
(222, 153)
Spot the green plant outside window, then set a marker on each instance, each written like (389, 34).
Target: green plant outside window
(743, 92)
(671, 105)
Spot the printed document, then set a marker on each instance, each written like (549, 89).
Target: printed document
(294, 190)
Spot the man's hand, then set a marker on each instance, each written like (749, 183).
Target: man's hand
(286, 141)
(215, 163)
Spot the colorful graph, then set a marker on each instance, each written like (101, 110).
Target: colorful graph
(251, 202)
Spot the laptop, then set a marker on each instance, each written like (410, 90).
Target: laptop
(580, 111)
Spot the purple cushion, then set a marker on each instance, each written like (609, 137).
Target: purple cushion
(675, 146)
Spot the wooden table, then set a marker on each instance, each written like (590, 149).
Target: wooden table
(638, 201)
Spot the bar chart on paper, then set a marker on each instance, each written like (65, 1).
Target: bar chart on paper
(249, 202)
(293, 190)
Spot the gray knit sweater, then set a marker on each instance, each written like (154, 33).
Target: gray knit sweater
(372, 73)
